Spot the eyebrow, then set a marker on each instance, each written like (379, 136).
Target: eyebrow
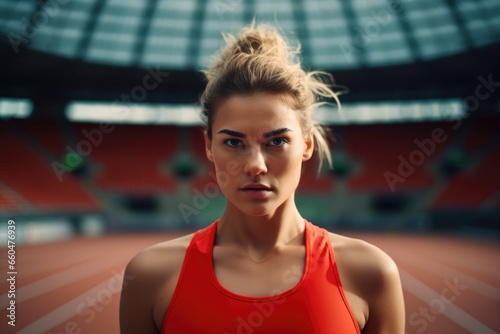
(276, 132)
(232, 133)
(266, 135)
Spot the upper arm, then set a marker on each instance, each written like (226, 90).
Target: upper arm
(137, 296)
(386, 310)
(151, 277)
(372, 284)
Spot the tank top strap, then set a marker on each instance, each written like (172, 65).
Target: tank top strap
(318, 242)
(203, 240)
(322, 250)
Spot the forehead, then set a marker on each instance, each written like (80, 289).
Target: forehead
(256, 112)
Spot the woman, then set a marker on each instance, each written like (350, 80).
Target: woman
(261, 267)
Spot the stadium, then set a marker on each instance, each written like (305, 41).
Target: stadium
(102, 150)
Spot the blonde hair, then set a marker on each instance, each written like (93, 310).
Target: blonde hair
(261, 61)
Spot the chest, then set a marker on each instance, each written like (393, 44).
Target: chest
(242, 274)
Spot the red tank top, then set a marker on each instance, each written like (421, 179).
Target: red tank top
(317, 304)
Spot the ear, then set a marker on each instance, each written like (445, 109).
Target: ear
(308, 147)
(208, 146)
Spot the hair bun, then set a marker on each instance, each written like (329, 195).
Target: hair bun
(253, 41)
(265, 40)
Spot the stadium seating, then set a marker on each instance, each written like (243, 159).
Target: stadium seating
(131, 159)
(313, 183)
(33, 178)
(7, 204)
(139, 159)
(379, 149)
(47, 133)
(471, 188)
(482, 131)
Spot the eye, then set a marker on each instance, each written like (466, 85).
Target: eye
(278, 141)
(232, 142)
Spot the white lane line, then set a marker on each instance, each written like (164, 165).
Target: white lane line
(60, 279)
(466, 262)
(75, 306)
(450, 310)
(442, 270)
(48, 263)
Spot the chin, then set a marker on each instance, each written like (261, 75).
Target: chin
(257, 213)
(256, 209)
(261, 209)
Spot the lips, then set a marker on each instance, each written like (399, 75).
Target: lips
(258, 187)
(257, 191)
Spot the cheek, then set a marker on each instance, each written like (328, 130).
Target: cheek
(290, 166)
(298, 162)
(226, 168)
(295, 155)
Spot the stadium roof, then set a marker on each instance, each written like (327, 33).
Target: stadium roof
(183, 34)
(381, 50)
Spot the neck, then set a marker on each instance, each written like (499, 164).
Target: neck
(261, 234)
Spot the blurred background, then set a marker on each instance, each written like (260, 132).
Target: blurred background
(101, 145)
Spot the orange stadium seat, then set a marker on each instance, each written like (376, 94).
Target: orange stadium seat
(47, 133)
(132, 159)
(383, 148)
(7, 204)
(471, 188)
(39, 184)
(311, 182)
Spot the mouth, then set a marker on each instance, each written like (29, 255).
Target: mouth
(256, 187)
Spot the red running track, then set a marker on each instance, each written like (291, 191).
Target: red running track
(451, 285)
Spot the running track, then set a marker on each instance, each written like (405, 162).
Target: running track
(451, 285)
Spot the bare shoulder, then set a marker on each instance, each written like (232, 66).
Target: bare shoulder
(160, 258)
(371, 277)
(150, 280)
(361, 257)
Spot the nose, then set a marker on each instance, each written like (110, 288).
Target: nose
(255, 162)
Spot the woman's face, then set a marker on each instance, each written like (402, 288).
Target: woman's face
(258, 148)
